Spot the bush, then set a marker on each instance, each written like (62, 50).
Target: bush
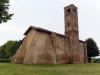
(5, 60)
(97, 61)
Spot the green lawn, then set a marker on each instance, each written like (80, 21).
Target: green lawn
(68, 69)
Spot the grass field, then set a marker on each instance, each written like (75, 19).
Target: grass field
(68, 69)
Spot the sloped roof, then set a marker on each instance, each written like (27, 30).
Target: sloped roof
(71, 6)
(43, 30)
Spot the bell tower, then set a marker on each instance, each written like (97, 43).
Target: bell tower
(71, 34)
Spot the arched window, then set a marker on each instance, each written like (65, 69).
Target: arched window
(68, 11)
(75, 24)
(74, 10)
(68, 24)
(75, 27)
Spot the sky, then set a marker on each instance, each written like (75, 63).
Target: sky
(49, 14)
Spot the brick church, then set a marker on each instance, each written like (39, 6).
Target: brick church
(41, 46)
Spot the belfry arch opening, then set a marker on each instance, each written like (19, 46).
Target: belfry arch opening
(74, 10)
(68, 11)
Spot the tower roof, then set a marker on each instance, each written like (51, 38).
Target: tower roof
(71, 6)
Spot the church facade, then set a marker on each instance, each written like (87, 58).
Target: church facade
(41, 46)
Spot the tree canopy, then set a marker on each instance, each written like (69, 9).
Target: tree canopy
(9, 49)
(92, 48)
(4, 11)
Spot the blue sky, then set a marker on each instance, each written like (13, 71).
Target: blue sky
(49, 14)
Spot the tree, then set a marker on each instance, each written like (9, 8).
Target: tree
(92, 49)
(9, 49)
(4, 11)
(2, 54)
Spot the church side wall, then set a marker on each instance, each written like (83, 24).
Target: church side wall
(85, 53)
(60, 49)
(41, 50)
(20, 54)
(82, 52)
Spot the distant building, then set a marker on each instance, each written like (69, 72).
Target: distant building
(41, 46)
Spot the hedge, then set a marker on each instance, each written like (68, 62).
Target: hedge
(5, 60)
